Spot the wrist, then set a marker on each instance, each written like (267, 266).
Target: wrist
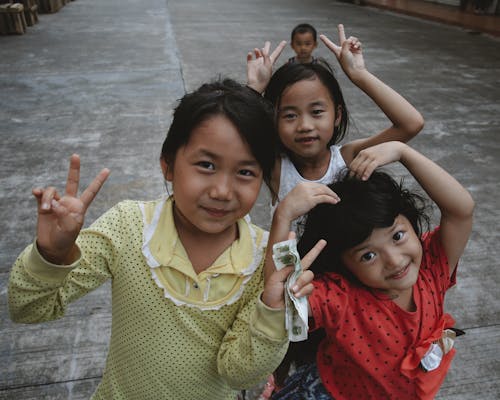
(359, 76)
(272, 303)
(58, 258)
(254, 87)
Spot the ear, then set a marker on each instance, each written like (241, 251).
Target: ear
(338, 116)
(166, 169)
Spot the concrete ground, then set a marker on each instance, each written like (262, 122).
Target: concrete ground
(100, 78)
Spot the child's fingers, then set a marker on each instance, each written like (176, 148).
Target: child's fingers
(305, 291)
(73, 176)
(309, 258)
(354, 42)
(249, 56)
(89, 194)
(302, 281)
(46, 198)
(266, 48)
(341, 33)
(332, 46)
(277, 51)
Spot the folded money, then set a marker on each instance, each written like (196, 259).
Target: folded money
(296, 316)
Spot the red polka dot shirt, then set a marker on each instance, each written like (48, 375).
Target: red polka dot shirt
(367, 336)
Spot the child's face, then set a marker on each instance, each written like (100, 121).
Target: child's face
(388, 260)
(303, 44)
(215, 178)
(307, 118)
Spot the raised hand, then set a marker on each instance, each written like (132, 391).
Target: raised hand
(260, 68)
(373, 157)
(60, 219)
(303, 198)
(273, 295)
(348, 52)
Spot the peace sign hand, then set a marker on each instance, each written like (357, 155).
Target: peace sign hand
(274, 287)
(60, 219)
(348, 53)
(260, 68)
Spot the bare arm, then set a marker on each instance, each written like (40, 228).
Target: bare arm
(406, 120)
(454, 201)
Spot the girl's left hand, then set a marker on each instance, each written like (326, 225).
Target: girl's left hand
(376, 156)
(348, 53)
(303, 198)
(274, 288)
(260, 68)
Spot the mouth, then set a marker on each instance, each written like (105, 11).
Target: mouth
(216, 212)
(307, 140)
(401, 273)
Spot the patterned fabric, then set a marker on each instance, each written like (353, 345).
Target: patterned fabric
(368, 335)
(159, 349)
(304, 384)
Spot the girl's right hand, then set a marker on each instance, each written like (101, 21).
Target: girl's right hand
(260, 68)
(60, 219)
(348, 53)
(303, 198)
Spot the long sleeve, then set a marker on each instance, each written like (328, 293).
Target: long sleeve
(255, 344)
(40, 291)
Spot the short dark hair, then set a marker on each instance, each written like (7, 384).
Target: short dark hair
(249, 112)
(363, 207)
(288, 74)
(304, 28)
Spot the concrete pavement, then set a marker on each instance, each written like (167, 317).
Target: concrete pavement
(101, 77)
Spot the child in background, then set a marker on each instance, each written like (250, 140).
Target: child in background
(303, 42)
(380, 282)
(312, 117)
(190, 318)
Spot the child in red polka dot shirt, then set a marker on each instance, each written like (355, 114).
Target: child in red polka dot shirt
(377, 309)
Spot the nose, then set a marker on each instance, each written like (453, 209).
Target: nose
(221, 188)
(305, 124)
(392, 259)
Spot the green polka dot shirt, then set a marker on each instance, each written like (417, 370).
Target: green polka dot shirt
(175, 334)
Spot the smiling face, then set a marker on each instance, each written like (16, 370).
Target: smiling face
(215, 178)
(389, 260)
(306, 119)
(304, 44)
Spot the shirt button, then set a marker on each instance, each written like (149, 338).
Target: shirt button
(195, 285)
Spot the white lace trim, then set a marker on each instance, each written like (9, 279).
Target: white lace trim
(149, 230)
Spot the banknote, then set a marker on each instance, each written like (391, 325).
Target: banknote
(296, 315)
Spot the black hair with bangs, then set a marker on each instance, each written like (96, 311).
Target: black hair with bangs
(248, 111)
(364, 206)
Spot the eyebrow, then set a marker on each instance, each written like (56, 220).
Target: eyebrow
(214, 156)
(293, 107)
(361, 247)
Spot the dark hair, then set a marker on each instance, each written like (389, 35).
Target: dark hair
(289, 74)
(364, 206)
(249, 112)
(304, 28)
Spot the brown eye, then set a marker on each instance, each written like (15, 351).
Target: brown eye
(368, 256)
(398, 236)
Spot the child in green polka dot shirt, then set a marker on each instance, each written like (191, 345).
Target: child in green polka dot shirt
(193, 316)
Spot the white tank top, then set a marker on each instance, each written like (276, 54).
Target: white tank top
(290, 177)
